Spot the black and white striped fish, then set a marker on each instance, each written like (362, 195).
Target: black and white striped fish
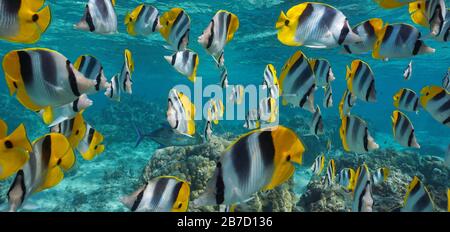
(429, 13)
(185, 62)
(406, 100)
(125, 75)
(175, 28)
(446, 81)
(99, 17)
(161, 194)
(316, 125)
(91, 144)
(361, 81)
(143, 20)
(331, 173)
(346, 104)
(417, 198)
(258, 161)
(43, 78)
(316, 25)
(436, 101)
(66, 112)
(362, 196)
(114, 90)
(208, 131)
(403, 130)
(318, 165)
(380, 175)
(355, 135)
(408, 71)
(322, 71)
(219, 32)
(23, 21)
(92, 69)
(237, 94)
(328, 98)
(368, 31)
(399, 41)
(270, 82)
(444, 34)
(50, 156)
(297, 82)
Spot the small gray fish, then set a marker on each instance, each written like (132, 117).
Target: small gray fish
(99, 17)
(408, 71)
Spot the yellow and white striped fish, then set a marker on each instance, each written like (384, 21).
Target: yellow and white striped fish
(185, 62)
(406, 100)
(270, 82)
(161, 194)
(316, 125)
(125, 79)
(399, 41)
(258, 161)
(361, 81)
(92, 69)
(143, 20)
(51, 155)
(331, 173)
(403, 130)
(347, 102)
(91, 144)
(355, 135)
(297, 82)
(429, 13)
(175, 28)
(362, 196)
(23, 21)
(380, 176)
(368, 31)
(346, 178)
(436, 101)
(444, 34)
(446, 81)
(252, 120)
(315, 25)
(113, 92)
(417, 198)
(73, 129)
(268, 110)
(181, 113)
(99, 17)
(219, 33)
(43, 78)
(66, 112)
(318, 165)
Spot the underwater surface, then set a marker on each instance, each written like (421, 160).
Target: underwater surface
(99, 184)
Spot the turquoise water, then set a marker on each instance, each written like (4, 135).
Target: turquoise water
(97, 185)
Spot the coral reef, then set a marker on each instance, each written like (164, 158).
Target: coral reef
(388, 195)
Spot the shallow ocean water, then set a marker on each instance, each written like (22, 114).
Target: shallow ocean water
(97, 185)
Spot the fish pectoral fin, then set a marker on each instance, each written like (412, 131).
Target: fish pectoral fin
(54, 176)
(47, 115)
(11, 161)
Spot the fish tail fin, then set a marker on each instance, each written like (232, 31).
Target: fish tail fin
(140, 135)
(282, 20)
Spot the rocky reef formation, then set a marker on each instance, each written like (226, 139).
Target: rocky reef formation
(388, 195)
(196, 164)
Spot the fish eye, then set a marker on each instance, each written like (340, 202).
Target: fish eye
(418, 5)
(428, 93)
(288, 158)
(59, 162)
(180, 205)
(77, 132)
(96, 146)
(8, 144)
(167, 23)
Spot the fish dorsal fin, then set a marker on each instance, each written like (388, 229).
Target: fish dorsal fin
(3, 129)
(377, 24)
(234, 26)
(129, 59)
(113, 2)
